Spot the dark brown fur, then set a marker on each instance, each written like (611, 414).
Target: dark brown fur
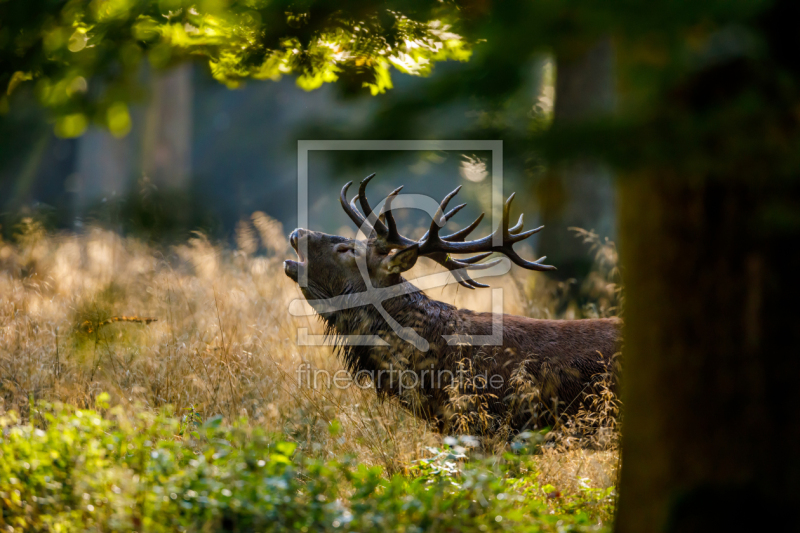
(544, 368)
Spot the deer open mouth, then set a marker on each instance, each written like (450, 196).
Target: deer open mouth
(292, 268)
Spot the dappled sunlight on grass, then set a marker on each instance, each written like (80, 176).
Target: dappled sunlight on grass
(204, 331)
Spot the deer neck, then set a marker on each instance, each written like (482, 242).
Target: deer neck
(429, 319)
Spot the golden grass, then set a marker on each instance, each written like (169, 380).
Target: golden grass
(223, 342)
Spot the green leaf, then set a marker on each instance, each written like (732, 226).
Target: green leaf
(17, 78)
(70, 126)
(286, 448)
(102, 400)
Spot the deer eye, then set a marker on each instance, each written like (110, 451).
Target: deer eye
(343, 248)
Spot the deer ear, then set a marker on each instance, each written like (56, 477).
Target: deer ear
(402, 260)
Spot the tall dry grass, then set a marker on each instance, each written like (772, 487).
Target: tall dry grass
(75, 321)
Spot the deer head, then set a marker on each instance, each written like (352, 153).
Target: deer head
(337, 265)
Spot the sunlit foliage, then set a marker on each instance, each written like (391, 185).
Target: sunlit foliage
(104, 470)
(87, 59)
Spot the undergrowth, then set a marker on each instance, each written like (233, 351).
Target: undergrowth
(194, 347)
(107, 470)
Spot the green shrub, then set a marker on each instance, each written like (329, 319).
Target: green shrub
(78, 470)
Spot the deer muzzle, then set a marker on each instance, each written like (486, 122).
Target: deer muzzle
(290, 267)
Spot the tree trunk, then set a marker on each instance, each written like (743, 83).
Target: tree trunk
(579, 193)
(168, 130)
(103, 170)
(712, 426)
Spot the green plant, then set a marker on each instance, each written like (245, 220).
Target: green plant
(104, 469)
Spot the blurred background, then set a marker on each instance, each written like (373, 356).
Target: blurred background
(199, 156)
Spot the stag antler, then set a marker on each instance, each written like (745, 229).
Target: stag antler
(439, 248)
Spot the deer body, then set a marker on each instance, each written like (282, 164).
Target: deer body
(543, 368)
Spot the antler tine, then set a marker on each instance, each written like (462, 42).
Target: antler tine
(457, 268)
(390, 233)
(525, 234)
(368, 228)
(455, 244)
(393, 236)
(350, 209)
(465, 281)
(379, 227)
(509, 238)
(476, 284)
(443, 205)
(457, 271)
(518, 226)
(440, 248)
(461, 234)
(444, 259)
(387, 213)
(506, 212)
(479, 266)
(530, 265)
(439, 220)
(450, 214)
(461, 281)
(475, 258)
(353, 201)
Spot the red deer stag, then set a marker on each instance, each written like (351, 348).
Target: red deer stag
(420, 356)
